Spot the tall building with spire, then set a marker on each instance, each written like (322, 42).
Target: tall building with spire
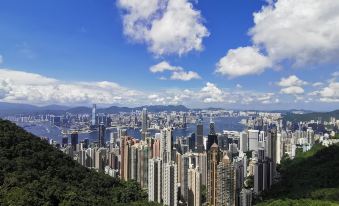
(212, 136)
(94, 115)
(144, 123)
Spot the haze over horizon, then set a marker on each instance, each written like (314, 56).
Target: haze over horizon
(233, 54)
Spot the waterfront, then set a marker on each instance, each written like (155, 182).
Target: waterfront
(53, 132)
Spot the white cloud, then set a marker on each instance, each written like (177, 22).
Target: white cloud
(242, 61)
(291, 81)
(164, 66)
(238, 86)
(300, 32)
(317, 84)
(292, 90)
(166, 26)
(330, 93)
(178, 73)
(211, 93)
(185, 76)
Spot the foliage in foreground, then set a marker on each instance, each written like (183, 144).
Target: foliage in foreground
(312, 178)
(32, 172)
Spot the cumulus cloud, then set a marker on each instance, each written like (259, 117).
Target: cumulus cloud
(292, 90)
(178, 73)
(330, 93)
(299, 32)
(291, 81)
(185, 76)
(317, 84)
(166, 26)
(242, 61)
(25, 87)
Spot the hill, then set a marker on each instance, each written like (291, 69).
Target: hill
(32, 172)
(324, 116)
(312, 178)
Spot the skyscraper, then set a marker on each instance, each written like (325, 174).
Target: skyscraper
(170, 194)
(101, 136)
(74, 140)
(194, 184)
(253, 139)
(225, 183)
(212, 137)
(155, 180)
(94, 114)
(199, 138)
(213, 160)
(144, 125)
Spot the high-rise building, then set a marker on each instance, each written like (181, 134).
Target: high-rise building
(74, 140)
(144, 125)
(245, 197)
(94, 115)
(64, 141)
(253, 139)
(243, 142)
(194, 185)
(225, 183)
(170, 187)
(199, 138)
(101, 136)
(212, 136)
(100, 159)
(185, 165)
(155, 180)
(212, 161)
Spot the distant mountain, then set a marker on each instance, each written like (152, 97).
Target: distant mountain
(13, 108)
(32, 172)
(324, 116)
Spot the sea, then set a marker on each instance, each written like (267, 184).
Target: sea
(46, 130)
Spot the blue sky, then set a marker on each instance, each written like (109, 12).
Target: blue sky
(216, 53)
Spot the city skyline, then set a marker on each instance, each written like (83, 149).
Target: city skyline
(238, 55)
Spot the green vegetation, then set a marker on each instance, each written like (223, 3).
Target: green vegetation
(325, 116)
(32, 172)
(312, 178)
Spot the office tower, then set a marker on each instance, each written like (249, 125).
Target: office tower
(278, 148)
(64, 141)
(225, 187)
(253, 136)
(144, 122)
(212, 137)
(245, 197)
(100, 159)
(194, 184)
(113, 160)
(199, 138)
(170, 194)
(86, 143)
(94, 114)
(191, 142)
(74, 140)
(213, 160)
(223, 141)
(243, 142)
(258, 177)
(155, 180)
(101, 136)
(184, 121)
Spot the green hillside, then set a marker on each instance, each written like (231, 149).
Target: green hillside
(312, 178)
(32, 172)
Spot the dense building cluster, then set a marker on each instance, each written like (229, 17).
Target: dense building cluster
(221, 168)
